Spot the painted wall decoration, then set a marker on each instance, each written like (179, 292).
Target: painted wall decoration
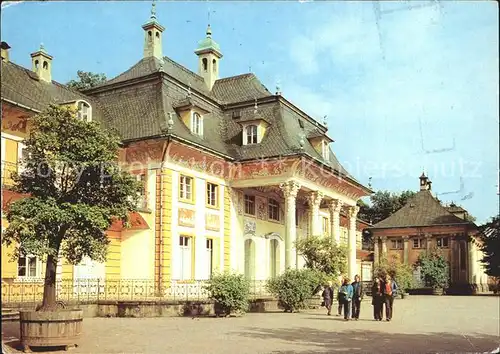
(144, 151)
(261, 207)
(186, 217)
(240, 202)
(250, 227)
(212, 222)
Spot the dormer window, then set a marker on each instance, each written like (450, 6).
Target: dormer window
(197, 124)
(84, 111)
(251, 134)
(325, 150)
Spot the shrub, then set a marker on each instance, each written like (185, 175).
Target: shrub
(230, 292)
(323, 254)
(295, 287)
(400, 272)
(434, 269)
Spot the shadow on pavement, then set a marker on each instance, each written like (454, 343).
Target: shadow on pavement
(375, 342)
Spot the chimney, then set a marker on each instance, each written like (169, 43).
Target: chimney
(42, 64)
(5, 51)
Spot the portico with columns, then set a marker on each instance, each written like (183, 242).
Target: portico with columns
(307, 208)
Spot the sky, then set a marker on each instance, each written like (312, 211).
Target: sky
(405, 86)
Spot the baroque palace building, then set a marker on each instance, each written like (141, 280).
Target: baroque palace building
(424, 223)
(233, 174)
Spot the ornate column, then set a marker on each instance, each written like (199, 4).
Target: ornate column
(384, 246)
(290, 190)
(452, 259)
(351, 244)
(314, 199)
(406, 239)
(375, 250)
(334, 206)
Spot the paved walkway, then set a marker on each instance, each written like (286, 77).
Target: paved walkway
(421, 324)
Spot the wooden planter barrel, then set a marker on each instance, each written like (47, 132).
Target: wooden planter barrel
(50, 329)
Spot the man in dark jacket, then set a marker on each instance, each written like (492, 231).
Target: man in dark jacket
(358, 293)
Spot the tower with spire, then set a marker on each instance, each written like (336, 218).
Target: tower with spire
(209, 54)
(153, 36)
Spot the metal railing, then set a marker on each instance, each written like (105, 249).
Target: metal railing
(92, 290)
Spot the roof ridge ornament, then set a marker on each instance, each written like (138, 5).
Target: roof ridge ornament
(189, 89)
(153, 10)
(325, 123)
(278, 87)
(255, 107)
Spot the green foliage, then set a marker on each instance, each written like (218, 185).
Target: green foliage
(75, 190)
(323, 254)
(434, 269)
(229, 291)
(491, 246)
(382, 205)
(86, 80)
(295, 287)
(400, 272)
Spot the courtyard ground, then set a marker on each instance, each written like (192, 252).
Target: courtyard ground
(421, 324)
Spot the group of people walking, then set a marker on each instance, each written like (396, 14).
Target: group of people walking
(349, 297)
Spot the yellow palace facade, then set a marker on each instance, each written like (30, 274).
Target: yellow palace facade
(233, 174)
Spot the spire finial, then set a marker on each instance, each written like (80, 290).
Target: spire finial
(189, 89)
(325, 122)
(278, 87)
(153, 10)
(209, 31)
(42, 48)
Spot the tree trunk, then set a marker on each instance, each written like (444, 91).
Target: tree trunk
(49, 289)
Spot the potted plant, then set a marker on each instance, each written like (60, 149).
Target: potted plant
(74, 193)
(434, 271)
(230, 293)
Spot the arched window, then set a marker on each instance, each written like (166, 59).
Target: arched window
(205, 64)
(214, 65)
(158, 35)
(45, 65)
(251, 134)
(84, 111)
(36, 64)
(197, 124)
(274, 210)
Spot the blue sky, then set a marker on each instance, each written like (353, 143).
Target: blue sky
(397, 86)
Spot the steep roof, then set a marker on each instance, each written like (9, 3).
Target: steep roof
(421, 210)
(23, 86)
(239, 88)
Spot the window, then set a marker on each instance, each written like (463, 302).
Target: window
(249, 204)
(143, 202)
(442, 242)
(418, 243)
(274, 210)
(205, 64)
(325, 150)
(27, 267)
(84, 111)
(397, 244)
(210, 256)
(251, 134)
(325, 226)
(212, 194)
(196, 124)
(186, 188)
(214, 65)
(185, 261)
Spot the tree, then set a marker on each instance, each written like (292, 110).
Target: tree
(75, 192)
(491, 246)
(86, 80)
(434, 269)
(323, 254)
(382, 205)
(402, 273)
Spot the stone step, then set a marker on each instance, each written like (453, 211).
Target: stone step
(9, 314)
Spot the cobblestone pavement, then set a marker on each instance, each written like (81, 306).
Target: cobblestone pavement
(421, 324)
